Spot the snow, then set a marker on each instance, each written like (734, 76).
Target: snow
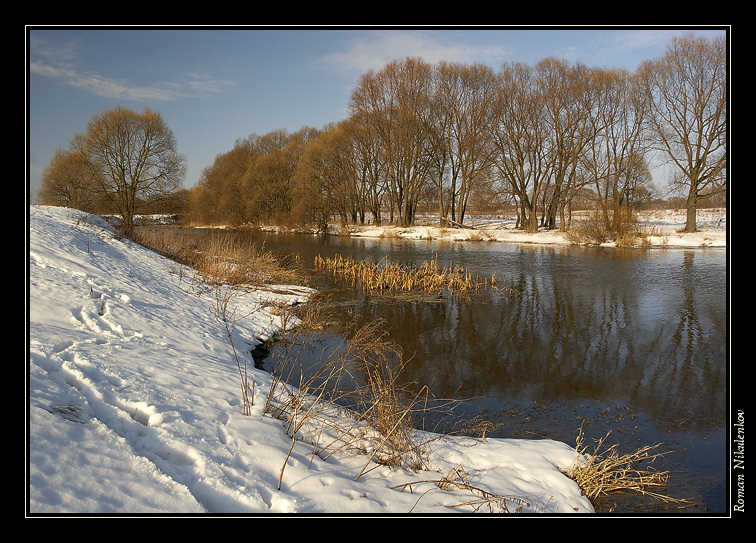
(134, 403)
(658, 228)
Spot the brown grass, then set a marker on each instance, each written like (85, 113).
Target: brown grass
(606, 472)
(226, 264)
(352, 399)
(592, 229)
(222, 257)
(387, 277)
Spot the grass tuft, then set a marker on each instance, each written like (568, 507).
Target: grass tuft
(606, 472)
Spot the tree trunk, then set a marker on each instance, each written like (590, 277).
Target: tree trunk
(690, 220)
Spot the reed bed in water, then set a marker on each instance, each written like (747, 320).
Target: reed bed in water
(384, 276)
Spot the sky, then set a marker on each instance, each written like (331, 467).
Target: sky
(216, 85)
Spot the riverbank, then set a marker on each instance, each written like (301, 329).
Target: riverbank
(134, 405)
(656, 228)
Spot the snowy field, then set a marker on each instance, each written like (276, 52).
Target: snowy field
(133, 403)
(660, 228)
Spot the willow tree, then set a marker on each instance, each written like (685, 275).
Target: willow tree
(218, 196)
(66, 181)
(687, 92)
(522, 140)
(324, 182)
(462, 103)
(132, 158)
(569, 92)
(269, 178)
(616, 161)
(395, 104)
(369, 169)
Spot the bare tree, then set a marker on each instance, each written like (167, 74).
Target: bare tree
(217, 197)
(370, 170)
(616, 158)
(325, 180)
(132, 157)
(569, 93)
(687, 92)
(522, 144)
(395, 102)
(462, 106)
(268, 180)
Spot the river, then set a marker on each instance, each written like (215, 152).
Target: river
(626, 342)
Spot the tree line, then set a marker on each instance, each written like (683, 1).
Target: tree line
(444, 138)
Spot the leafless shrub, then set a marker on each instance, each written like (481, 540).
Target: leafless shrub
(595, 228)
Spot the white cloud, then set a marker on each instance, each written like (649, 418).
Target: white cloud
(61, 63)
(373, 49)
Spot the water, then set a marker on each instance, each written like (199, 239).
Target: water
(630, 342)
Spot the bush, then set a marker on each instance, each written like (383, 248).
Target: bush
(594, 228)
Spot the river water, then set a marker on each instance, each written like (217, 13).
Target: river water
(626, 342)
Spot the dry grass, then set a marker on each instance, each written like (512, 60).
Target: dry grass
(222, 257)
(606, 472)
(457, 480)
(592, 229)
(224, 313)
(387, 277)
(226, 264)
(350, 400)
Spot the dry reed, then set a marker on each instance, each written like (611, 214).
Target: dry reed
(606, 472)
(386, 277)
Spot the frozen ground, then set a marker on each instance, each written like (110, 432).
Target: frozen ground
(662, 229)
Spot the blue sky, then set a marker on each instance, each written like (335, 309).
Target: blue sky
(214, 86)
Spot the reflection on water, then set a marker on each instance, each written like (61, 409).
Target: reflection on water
(569, 335)
(628, 340)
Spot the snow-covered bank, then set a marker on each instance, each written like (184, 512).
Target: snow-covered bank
(133, 403)
(659, 228)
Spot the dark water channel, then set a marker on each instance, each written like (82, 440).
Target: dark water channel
(632, 341)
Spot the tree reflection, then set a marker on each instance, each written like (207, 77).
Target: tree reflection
(563, 338)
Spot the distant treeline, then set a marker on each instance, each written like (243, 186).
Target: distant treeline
(449, 137)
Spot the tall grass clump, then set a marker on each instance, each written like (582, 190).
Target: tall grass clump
(605, 472)
(222, 257)
(239, 261)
